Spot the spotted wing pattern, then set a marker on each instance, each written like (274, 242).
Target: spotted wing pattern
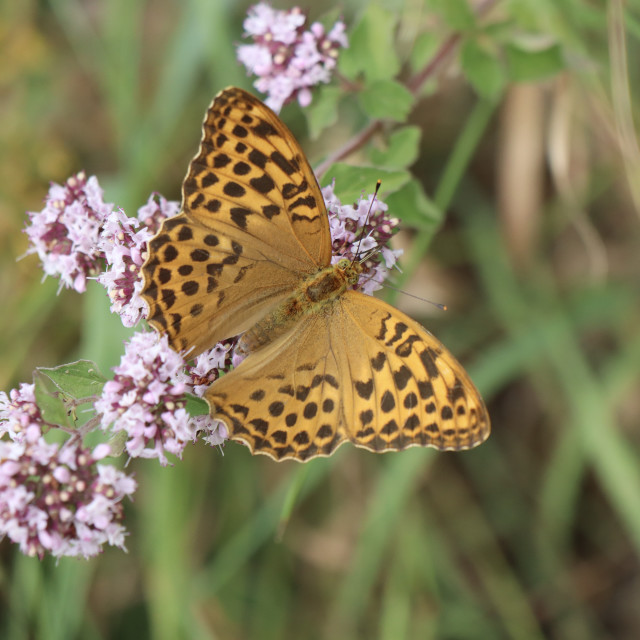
(252, 231)
(253, 226)
(359, 371)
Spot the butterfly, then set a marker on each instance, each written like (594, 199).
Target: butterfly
(250, 254)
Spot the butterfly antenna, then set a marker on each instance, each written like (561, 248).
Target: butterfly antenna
(369, 254)
(366, 220)
(437, 305)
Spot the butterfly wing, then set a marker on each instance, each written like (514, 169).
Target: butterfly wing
(359, 371)
(253, 225)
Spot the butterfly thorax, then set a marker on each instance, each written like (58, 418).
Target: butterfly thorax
(315, 294)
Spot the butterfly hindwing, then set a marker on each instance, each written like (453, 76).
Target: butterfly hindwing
(417, 390)
(310, 390)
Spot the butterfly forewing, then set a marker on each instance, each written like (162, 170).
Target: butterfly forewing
(252, 168)
(253, 227)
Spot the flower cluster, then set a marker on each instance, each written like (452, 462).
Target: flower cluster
(20, 416)
(58, 500)
(156, 210)
(202, 373)
(55, 498)
(76, 234)
(352, 238)
(123, 249)
(287, 59)
(207, 366)
(65, 233)
(146, 399)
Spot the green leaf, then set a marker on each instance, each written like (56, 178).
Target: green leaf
(80, 379)
(402, 150)
(50, 400)
(56, 388)
(423, 50)
(371, 47)
(499, 30)
(414, 208)
(533, 59)
(386, 100)
(196, 406)
(323, 111)
(457, 14)
(483, 70)
(352, 182)
(117, 443)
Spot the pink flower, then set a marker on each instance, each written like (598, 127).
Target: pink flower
(156, 210)
(146, 399)
(215, 431)
(65, 233)
(288, 60)
(20, 416)
(76, 233)
(56, 499)
(208, 365)
(124, 246)
(124, 250)
(202, 373)
(351, 238)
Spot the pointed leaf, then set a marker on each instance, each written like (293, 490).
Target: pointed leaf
(424, 48)
(402, 150)
(323, 111)
(50, 400)
(386, 100)
(371, 49)
(457, 14)
(352, 182)
(196, 406)
(483, 70)
(80, 379)
(414, 208)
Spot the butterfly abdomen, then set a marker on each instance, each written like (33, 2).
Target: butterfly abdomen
(314, 295)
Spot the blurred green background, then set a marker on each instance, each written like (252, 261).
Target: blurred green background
(534, 160)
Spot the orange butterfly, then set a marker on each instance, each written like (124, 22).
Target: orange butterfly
(251, 252)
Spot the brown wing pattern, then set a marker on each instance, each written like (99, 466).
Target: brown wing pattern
(358, 371)
(253, 226)
(202, 286)
(409, 381)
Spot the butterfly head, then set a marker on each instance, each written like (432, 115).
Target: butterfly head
(351, 271)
